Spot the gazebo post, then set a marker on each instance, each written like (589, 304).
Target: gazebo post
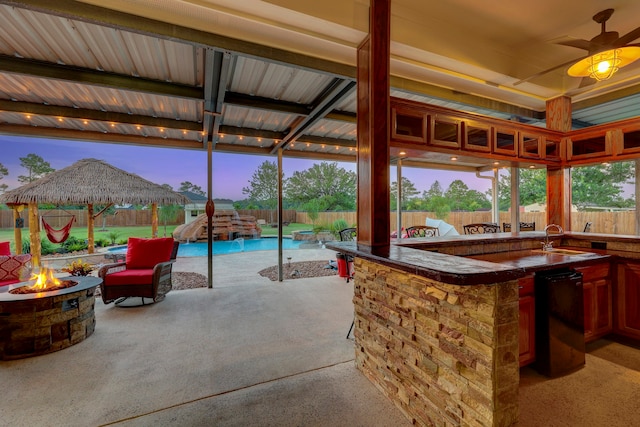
(17, 231)
(154, 220)
(90, 236)
(34, 234)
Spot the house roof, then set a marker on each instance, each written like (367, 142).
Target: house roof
(254, 76)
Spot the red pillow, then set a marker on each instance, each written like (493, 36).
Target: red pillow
(15, 267)
(5, 248)
(146, 253)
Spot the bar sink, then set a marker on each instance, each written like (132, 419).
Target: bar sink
(561, 251)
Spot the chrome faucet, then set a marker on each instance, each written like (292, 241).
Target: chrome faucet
(547, 245)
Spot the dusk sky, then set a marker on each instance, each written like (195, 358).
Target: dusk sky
(171, 166)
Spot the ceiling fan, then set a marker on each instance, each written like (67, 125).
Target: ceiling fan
(607, 52)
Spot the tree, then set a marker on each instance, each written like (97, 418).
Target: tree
(435, 201)
(533, 188)
(168, 213)
(594, 185)
(36, 167)
(333, 186)
(187, 186)
(460, 197)
(601, 185)
(3, 172)
(408, 191)
(111, 210)
(263, 186)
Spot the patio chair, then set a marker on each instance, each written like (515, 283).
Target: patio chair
(587, 227)
(524, 226)
(422, 231)
(481, 228)
(146, 273)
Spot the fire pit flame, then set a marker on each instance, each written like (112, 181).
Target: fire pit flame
(44, 280)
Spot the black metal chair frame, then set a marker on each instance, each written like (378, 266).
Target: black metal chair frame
(422, 231)
(481, 228)
(346, 235)
(524, 226)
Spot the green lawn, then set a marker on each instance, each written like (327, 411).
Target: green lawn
(123, 233)
(145, 231)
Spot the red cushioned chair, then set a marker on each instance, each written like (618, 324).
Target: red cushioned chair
(146, 273)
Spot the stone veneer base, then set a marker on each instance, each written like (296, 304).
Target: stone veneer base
(446, 355)
(32, 327)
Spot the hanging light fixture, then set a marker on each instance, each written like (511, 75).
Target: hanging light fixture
(603, 65)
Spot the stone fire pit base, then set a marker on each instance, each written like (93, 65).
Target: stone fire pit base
(35, 324)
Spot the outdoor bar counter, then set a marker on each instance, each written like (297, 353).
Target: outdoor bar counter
(437, 319)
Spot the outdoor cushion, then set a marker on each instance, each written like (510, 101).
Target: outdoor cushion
(8, 282)
(142, 276)
(5, 248)
(15, 267)
(146, 253)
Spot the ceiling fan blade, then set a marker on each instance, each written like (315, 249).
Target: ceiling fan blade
(587, 81)
(548, 70)
(578, 43)
(627, 38)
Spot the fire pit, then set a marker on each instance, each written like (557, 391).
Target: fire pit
(35, 323)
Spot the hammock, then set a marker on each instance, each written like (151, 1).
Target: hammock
(58, 236)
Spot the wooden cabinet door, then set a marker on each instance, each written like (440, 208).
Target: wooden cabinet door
(527, 321)
(628, 300)
(598, 318)
(603, 318)
(589, 310)
(527, 337)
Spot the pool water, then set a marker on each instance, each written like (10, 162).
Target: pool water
(222, 247)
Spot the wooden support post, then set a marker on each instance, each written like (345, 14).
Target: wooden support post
(373, 130)
(17, 231)
(90, 225)
(154, 220)
(559, 178)
(34, 234)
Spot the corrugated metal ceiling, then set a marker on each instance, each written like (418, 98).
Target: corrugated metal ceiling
(75, 78)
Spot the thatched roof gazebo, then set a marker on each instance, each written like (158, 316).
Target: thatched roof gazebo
(88, 181)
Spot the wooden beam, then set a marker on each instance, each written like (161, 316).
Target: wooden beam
(101, 116)
(373, 131)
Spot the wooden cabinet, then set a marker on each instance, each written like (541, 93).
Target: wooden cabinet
(628, 300)
(527, 336)
(598, 318)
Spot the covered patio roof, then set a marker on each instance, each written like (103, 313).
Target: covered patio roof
(257, 76)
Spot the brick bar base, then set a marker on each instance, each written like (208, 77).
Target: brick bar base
(43, 325)
(445, 355)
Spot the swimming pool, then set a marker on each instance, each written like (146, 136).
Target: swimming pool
(223, 247)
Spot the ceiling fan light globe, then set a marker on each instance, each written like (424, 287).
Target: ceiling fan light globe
(603, 65)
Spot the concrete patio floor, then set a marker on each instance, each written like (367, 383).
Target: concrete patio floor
(247, 352)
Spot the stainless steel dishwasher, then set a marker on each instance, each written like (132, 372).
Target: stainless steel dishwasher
(560, 347)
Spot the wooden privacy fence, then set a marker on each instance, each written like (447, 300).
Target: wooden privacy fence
(623, 222)
(58, 218)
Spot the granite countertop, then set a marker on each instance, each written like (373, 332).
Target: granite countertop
(417, 258)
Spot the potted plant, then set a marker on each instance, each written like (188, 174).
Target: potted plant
(78, 268)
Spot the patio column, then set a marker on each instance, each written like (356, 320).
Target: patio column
(17, 230)
(373, 130)
(559, 177)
